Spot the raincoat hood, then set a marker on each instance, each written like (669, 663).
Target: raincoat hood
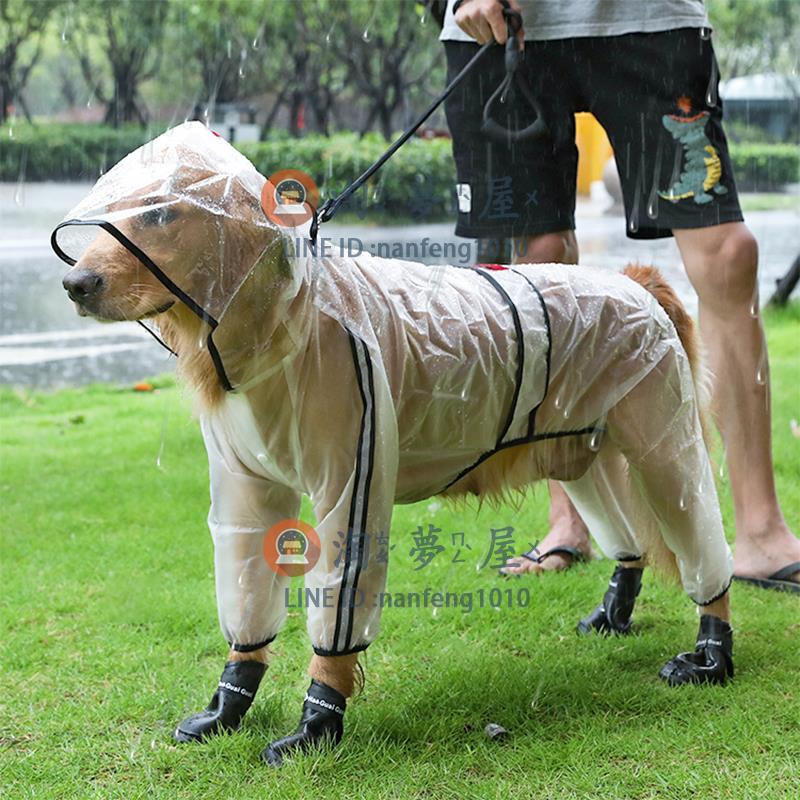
(218, 250)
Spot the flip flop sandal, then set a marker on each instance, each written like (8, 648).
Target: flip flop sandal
(534, 555)
(778, 581)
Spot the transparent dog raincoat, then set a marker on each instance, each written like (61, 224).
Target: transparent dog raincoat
(362, 382)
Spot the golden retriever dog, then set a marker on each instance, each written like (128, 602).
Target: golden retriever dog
(363, 382)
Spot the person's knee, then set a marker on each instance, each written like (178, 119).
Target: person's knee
(725, 276)
(559, 247)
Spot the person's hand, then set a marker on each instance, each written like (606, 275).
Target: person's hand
(483, 20)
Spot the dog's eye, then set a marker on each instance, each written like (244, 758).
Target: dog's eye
(158, 216)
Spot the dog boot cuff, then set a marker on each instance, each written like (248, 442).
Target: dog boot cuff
(237, 688)
(712, 659)
(322, 719)
(613, 615)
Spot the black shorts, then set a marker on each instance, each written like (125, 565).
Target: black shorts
(656, 95)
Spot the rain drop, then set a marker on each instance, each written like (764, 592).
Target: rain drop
(754, 304)
(595, 439)
(711, 93)
(682, 504)
(652, 200)
(162, 444)
(557, 402)
(365, 35)
(761, 373)
(633, 221)
(652, 204)
(676, 166)
(705, 34)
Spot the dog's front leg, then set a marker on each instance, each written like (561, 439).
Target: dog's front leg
(250, 594)
(604, 499)
(353, 502)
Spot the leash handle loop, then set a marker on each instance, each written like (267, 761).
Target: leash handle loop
(491, 127)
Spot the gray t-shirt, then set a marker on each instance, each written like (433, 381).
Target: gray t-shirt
(566, 19)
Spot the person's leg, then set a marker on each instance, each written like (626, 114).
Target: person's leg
(721, 262)
(566, 526)
(677, 179)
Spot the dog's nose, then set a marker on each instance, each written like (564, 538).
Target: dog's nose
(82, 284)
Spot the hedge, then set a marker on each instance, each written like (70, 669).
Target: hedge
(66, 152)
(765, 167)
(418, 182)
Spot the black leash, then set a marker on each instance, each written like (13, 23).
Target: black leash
(490, 127)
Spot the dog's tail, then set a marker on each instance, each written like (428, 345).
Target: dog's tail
(652, 280)
(658, 555)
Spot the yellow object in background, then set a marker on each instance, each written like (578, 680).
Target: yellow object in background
(594, 150)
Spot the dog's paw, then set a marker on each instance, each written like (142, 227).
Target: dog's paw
(711, 661)
(322, 722)
(598, 622)
(237, 689)
(614, 614)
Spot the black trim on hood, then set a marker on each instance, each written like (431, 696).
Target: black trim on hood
(157, 271)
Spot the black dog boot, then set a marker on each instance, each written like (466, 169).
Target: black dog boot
(613, 615)
(323, 719)
(712, 659)
(238, 685)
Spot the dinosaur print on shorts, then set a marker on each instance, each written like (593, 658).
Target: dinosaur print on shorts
(702, 168)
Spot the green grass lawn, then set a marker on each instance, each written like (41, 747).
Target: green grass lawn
(770, 201)
(109, 637)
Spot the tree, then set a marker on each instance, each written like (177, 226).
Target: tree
(752, 36)
(21, 25)
(314, 76)
(385, 54)
(217, 37)
(129, 34)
